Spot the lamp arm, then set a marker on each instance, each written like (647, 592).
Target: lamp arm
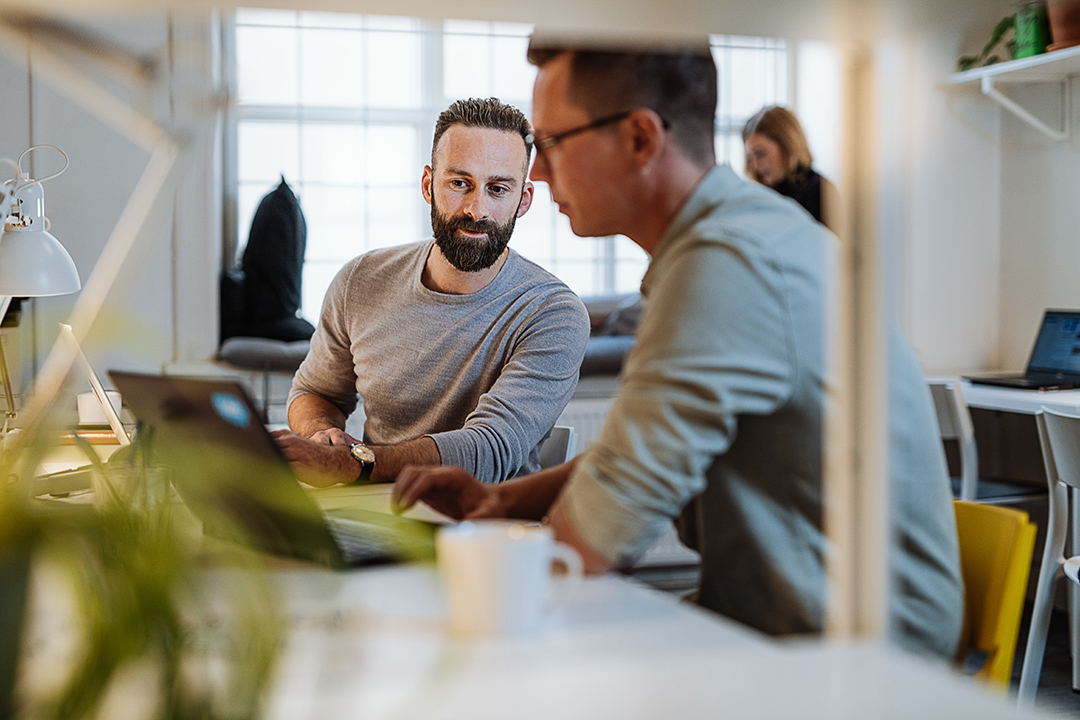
(5, 302)
(5, 194)
(9, 395)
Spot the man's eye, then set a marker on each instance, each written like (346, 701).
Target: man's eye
(499, 190)
(459, 183)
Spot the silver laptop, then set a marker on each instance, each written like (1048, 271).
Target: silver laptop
(1055, 360)
(229, 471)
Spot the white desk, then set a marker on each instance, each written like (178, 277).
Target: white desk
(373, 644)
(1028, 402)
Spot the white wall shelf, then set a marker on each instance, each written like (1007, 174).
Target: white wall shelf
(1056, 67)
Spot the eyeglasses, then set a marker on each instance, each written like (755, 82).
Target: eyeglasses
(552, 140)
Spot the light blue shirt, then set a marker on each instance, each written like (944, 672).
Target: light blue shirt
(719, 418)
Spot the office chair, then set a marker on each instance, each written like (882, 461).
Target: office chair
(954, 422)
(1059, 435)
(995, 557)
(559, 447)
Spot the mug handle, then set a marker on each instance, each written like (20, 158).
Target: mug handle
(568, 557)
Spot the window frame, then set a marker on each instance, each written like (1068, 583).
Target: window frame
(607, 253)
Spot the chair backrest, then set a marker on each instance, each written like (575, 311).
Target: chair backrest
(954, 422)
(995, 557)
(1059, 435)
(559, 447)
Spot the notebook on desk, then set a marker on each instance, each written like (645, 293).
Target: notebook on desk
(229, 471)
(1055, 360)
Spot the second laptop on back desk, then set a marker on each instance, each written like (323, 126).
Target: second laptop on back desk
(1055, 359)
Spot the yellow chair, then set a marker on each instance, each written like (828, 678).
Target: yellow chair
(995, 557)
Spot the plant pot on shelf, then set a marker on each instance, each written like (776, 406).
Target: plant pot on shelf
(1064, 23)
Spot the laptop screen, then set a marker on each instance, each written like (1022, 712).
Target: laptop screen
(1057, 347)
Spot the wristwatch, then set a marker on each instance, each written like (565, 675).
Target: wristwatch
(364, 455)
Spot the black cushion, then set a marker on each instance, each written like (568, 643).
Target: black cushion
(271, 273)
(233, 307)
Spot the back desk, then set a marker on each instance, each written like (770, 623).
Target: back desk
(1005, 431)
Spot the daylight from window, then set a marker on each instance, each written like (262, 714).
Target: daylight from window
(343, 107)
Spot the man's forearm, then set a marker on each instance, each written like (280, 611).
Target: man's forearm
(531, 497)
(391, 459)
(566, 532)
(308, 414)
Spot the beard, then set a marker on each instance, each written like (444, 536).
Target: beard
(465, 253)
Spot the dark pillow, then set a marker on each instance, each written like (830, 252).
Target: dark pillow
(273, 260)
(262, 298)
(233, 307)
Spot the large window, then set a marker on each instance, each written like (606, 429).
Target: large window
(343, 107)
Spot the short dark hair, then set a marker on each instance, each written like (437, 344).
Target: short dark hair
(484, 113)
(678, 82)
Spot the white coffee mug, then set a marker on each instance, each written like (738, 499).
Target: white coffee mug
(497, 575)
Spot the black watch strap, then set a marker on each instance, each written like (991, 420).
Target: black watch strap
(365, 457)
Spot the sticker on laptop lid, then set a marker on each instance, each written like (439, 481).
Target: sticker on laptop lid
(230, 408)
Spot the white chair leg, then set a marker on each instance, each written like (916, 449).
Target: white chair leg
(1074, 634)
(1074, 595)
(1036, 642)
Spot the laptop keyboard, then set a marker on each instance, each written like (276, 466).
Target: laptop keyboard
(361, 543)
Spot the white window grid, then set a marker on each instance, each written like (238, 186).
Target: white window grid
(343, 107)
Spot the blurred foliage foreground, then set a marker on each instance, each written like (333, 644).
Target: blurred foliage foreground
(108, 611)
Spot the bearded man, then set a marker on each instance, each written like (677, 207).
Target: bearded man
(463, 352)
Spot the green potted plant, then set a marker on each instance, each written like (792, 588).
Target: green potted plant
(1002, 40)
(143, 623)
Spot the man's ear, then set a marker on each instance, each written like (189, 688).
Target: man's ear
(425, 183)
(646, 130)
(526, 199)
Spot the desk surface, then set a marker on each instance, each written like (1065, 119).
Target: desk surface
(1029, 402)
(373, 643)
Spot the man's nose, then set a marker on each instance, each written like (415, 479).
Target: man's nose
(477, 206)
(539, 172)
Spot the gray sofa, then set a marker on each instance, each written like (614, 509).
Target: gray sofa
(614, 319)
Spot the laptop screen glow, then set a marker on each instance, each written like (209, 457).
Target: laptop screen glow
(1057, 347)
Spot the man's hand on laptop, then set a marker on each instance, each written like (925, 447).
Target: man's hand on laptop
(318, 462)
(447, 489)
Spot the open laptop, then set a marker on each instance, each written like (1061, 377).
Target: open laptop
(1055, 360)
(229, 471)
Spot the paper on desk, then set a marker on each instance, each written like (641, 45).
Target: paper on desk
(375, 498)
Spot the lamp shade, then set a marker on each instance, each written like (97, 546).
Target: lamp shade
(33, 263)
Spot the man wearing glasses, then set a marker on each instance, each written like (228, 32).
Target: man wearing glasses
(718, 418)
(463, 351)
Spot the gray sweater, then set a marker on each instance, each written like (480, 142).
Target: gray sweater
(485, 375)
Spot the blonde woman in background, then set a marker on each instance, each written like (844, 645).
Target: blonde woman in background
(778, 156)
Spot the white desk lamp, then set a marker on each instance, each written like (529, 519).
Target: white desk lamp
(33, 263)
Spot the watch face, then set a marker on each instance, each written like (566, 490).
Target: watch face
(363, 454)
